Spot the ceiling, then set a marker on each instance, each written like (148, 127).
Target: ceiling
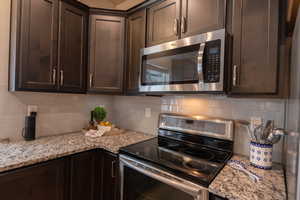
(116, 2)
(112, 4)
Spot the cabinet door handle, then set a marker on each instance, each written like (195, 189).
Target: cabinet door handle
(54, 75)
(200, 63)
(91, 80)
(175, 28)
(61, 77)
(113, 174)
(235, 75)
(183, 25)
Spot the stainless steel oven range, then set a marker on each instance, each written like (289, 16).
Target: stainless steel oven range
(178, 164)
(193, 64)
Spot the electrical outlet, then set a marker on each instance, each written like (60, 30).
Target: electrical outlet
(31, 108)
(147, 112)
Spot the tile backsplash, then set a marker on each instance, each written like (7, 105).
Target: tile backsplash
(129, 112)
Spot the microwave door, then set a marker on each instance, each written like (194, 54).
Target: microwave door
(194, 64)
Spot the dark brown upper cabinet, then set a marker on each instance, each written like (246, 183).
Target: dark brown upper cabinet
(200, 16)
(45, 181)
(174, 19)
(255, 68)
(48, 40)
(163, 22)
(106, 54)
(33, 51)
(136, 32)
(72, 49)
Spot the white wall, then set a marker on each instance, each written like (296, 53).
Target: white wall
(58, 113)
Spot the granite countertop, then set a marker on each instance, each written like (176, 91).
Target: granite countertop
(230, 183)
(235, 185)
(19, 154)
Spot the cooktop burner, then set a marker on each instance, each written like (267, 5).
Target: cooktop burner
(195, 148)
(199, 164)
(206, 155)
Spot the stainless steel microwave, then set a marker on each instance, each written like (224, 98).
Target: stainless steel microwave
(193, 64)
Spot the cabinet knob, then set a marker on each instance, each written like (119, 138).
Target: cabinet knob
(235, 75)
(54, 75)
(61, 77)
(175, 28)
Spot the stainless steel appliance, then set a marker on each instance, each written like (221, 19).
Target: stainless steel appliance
(178, 164)
(193, 64)
(291, 154)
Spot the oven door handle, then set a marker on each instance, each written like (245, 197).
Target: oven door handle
(200, 63)
(196, 191)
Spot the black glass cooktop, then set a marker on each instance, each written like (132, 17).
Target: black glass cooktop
(197, 163)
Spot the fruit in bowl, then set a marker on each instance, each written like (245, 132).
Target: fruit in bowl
(105, 123)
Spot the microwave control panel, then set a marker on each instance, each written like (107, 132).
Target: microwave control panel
(212, 62)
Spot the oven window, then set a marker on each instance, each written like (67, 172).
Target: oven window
(177, 66)
(141, 187)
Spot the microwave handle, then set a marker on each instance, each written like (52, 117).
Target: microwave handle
(200, 63)
(165, 177)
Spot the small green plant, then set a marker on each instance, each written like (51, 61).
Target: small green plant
(99, 114)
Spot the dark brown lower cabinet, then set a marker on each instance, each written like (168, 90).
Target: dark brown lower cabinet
(85, 176)
(110, 185)
(91, 175)
(45, 181)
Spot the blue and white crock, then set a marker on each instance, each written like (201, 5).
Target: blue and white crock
(261, 155)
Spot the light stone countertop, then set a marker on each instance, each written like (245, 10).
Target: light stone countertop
(19, 154)
(235, 185)
(230, 183)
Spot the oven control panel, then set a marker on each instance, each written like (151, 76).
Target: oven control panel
(212, 61)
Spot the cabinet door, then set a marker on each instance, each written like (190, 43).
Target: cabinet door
(110, 176)
(37, 50)
(106, 54)
(255, 47)
(163, 22)
(201, 16)
(84, 177)
(43, 181)
(136, 41)
(72, 48)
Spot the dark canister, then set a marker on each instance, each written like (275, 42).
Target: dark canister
(29, 130)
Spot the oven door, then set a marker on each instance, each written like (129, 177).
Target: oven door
(141, 181)
(193, 64)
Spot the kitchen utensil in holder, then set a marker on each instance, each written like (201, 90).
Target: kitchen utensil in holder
(261, 155)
